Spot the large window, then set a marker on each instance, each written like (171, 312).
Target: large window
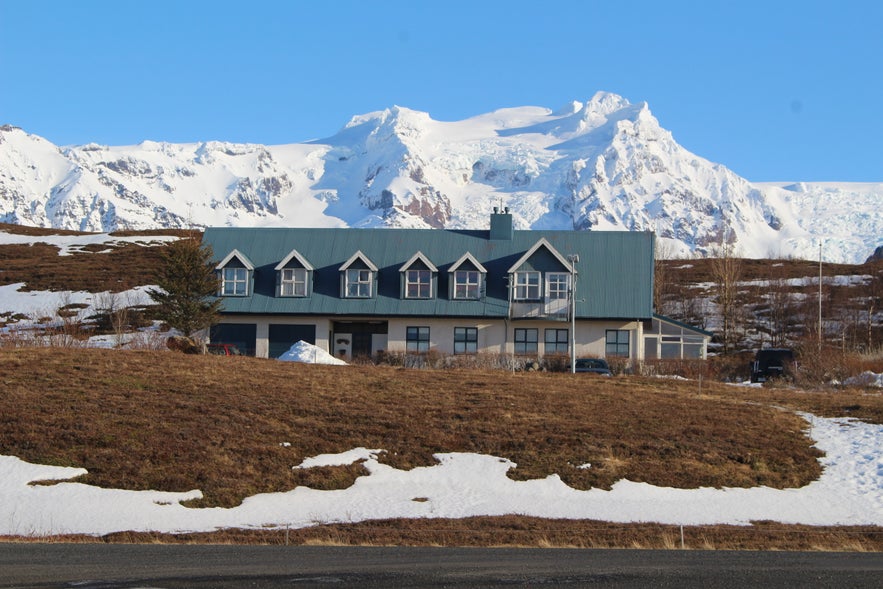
(293, 282)
(358, 283)
(234, 282)
(556, 341)
(417, 339)
(467, 284)
(418, 284)
(465, 340)
(617, 342)
(557, 285)
(527, 286)
(526, 341)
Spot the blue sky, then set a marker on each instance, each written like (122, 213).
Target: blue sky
(787, 90)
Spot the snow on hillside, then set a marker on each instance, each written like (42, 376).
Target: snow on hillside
(600, 164)
(845, 218)
(849, 492)
(68, 244)
(24, 310)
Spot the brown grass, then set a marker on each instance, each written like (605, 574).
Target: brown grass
(107, 267)
(172, 422)
(520, 531)
(166, 421)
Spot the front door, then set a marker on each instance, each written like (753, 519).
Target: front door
(361, 345)
(359, 338)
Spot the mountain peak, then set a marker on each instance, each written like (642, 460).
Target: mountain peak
(605, 103)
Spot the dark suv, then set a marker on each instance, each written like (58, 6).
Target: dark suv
(593, 365)
(772, 363)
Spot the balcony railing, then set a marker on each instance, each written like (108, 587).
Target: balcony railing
(555, 309)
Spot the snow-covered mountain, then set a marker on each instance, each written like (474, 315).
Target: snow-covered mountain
(602, 164)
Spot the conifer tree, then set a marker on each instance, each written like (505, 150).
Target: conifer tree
(187, 284)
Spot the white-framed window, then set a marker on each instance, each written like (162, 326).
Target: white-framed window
(417, 339)
(234, 282)
(557, 285)
(465, 340)
(359, 283)
(293, 282)
(556, 341)
(617, 342)
(467, 284)
(527, 286)
(526, 341)
(418, 284)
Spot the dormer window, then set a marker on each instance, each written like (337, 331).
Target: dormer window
(527, 286)
(234, 282)
(417, 277)
(293, 282)
(235, 273)
(358, 283)
(557, 285)
(418, 284)
(541, 283)
(467, 277)
(358, 275)
(467, 284)
(293, 275)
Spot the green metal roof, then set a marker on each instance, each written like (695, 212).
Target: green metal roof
(615, 269)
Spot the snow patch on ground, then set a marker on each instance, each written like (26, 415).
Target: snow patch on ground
(70, 244)
(309, 354)
(33, 303)
(340, 459)
(849, 492)
(866, 379)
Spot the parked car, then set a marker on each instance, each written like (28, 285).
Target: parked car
(223, 350)
(772, 363)
(593, 365)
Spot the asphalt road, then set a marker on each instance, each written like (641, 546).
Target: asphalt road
(103, 566)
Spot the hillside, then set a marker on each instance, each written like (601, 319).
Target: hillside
(601, 164)
(234, 427)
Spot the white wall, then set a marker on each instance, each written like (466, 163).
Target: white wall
(493, 336)
(497, 336)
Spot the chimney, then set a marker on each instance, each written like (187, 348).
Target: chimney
(501, 225)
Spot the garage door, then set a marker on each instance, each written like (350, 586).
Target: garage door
(242, 335)
(282, 337)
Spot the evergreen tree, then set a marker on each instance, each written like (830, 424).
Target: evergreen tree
(187, 284)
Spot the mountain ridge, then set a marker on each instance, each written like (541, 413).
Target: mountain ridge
(603, 164)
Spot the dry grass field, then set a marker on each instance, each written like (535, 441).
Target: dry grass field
(168, 421)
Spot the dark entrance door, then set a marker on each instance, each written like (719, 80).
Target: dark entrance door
(362, 333)
(361, 344)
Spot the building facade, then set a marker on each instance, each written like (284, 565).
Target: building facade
(358, 292)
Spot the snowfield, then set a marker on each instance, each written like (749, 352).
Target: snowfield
(34, 303)
(849, 492)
